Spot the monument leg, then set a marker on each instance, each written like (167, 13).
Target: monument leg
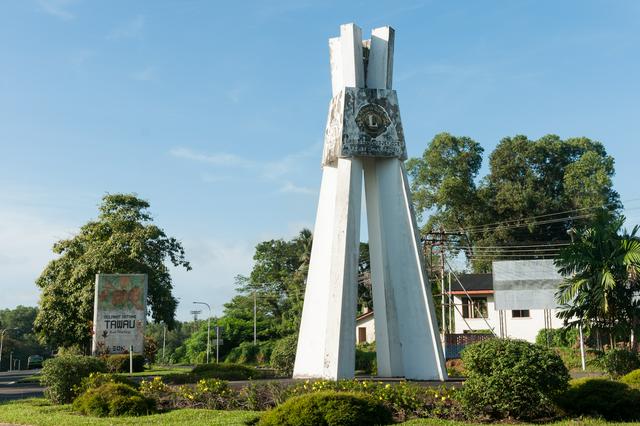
(406, 327)
(326, 343)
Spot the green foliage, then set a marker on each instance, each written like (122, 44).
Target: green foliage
(405, 400)
(95, 380)
(121, 240)
(558, 337)
(601, 398)
(366, 361)
(120, 363)
(150, 349)
(113, 399)
(632, 379)
(526, 178)
(213, 394)
(62, 376)
(248, 353)
(619, 361)
(283, 356)
(173, 338)
(328, 408)
(19, 337)
(260, 396)
(512, 378)
(603, 263)
(221, 371)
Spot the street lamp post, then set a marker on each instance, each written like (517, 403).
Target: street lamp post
(208, 327)
(2, 342)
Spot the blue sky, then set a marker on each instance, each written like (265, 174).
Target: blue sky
(214, 112)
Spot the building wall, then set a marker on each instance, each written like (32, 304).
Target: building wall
(369, 325)
(517, 328)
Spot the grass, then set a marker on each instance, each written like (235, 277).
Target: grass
(39, 412)
(156, 370)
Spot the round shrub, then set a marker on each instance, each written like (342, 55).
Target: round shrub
(618, 362)
(113, 399)
(95, 380)
(601, 398)
(120, 363)
(283, 356)
(512, 378)
(328, 409)
(632, 379)
(62, 375)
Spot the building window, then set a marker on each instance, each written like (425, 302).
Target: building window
(474, 307)
(362, 335)
(520, 313)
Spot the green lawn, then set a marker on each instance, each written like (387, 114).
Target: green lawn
(39, 412)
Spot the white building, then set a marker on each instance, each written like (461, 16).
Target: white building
(475, 311)
(365, 328)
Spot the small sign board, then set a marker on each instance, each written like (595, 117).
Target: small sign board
(119, 313)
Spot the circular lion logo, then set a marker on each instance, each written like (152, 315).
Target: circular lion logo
(373, 120)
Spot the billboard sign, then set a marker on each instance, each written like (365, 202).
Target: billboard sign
(119, 313)
(525, 284)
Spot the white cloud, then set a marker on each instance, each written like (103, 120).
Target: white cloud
(130, 29)
(57, 8)
(215, 264)
(292, 188)
(219, 159)
(146, 74)
(27, 241)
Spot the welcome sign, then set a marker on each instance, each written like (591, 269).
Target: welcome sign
(119, 313)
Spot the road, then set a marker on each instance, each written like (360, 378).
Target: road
(11, 389)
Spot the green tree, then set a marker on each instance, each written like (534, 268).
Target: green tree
(20, 339)
(562, 181)
(122, 240)
(602, 267)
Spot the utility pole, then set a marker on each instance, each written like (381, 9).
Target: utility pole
(255, 319)
(208, 330)
(444, 318)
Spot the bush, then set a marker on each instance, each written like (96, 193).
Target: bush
(632, 379)
(213, 394)
(558, 337)
(160, 392)
(95, 380)
(215, 371)
(512, 378)
(114, 399)
(618, 362)
(328, 408)
(283, 356)
(598, 397)
(366, 361)
(260, 396)
(62, 376)
(120, 363)
(405, 400)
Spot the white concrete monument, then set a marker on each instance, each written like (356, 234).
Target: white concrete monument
(364, 135)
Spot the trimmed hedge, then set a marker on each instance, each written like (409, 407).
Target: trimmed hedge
(215, 371)
(619, 361)
(114, 399)
(62, 376)
(120, 363)
(601, 398)
(328, 409)
(632, 379)
(512, 378)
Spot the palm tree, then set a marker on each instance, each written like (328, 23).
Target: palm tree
(602, 265)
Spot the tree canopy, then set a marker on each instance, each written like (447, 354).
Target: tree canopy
(534, 192)
(602, 270)
(122, 240)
